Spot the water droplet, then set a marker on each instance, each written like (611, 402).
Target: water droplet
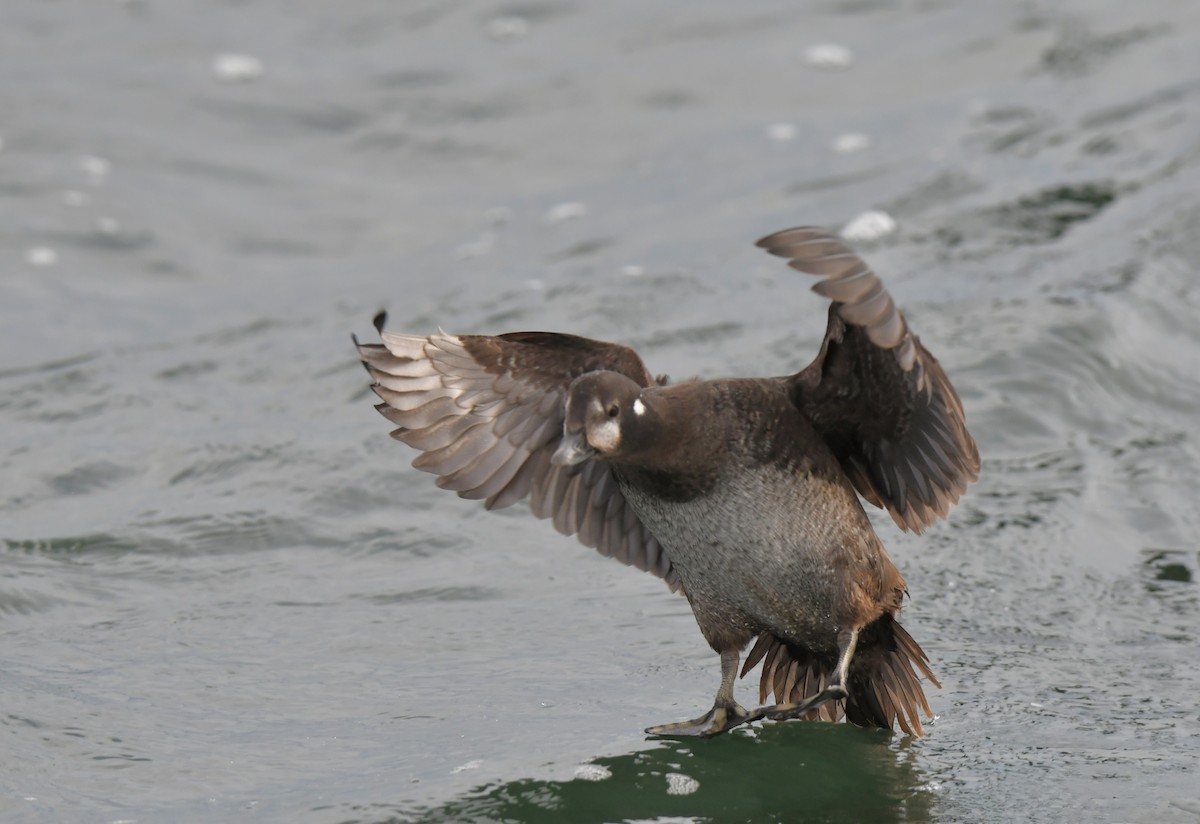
(871, 225)
(236, 68)
(828, 56)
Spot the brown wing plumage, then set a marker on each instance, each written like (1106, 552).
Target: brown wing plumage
(487, 414)
(875, 394)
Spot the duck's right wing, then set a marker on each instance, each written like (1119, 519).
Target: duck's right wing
(875, 394)
(486, 414)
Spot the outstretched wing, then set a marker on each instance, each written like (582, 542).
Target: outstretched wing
(486, 414)
(875, 394)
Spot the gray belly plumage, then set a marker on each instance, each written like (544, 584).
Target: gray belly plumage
(757, 550)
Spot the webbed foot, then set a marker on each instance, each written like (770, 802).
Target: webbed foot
(718, 720)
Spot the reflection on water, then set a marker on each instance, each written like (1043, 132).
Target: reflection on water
(793, 772)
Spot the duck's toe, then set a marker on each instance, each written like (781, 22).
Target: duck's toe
(796, 709)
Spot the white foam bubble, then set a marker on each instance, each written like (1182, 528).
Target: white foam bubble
(828, 56)
(680, 784)
(41, 256)
(237, 68)
(570, 210)
(782, 131)
(508, 27)
(592, 772)
(96, 168)
(870, 225)
(470, 765)
(851, 142)
(475, 248)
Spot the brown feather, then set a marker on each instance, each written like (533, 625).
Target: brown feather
(765, 639)
(881, 435)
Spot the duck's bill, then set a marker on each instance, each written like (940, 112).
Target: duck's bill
(572, 450)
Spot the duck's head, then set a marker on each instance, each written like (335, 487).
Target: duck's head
(605, 417)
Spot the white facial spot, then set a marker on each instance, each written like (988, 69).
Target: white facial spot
(607, 436)
(639, 408)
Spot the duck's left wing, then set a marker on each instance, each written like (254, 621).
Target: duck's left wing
(486, 414)
(876, 395)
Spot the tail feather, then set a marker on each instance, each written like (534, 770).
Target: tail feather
(885, 690)
(792, 673)
(884, 687)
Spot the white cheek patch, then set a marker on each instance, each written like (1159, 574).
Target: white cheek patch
(639, 408)
(606, 437)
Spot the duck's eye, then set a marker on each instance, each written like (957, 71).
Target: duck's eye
(613, 411)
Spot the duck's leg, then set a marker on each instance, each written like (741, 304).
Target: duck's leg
(835, 690)
(725, 713)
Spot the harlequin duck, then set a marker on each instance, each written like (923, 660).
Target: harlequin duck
(742, 493)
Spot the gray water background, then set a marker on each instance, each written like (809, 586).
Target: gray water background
(225, 596)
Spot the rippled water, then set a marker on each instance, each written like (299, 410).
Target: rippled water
(223, 593)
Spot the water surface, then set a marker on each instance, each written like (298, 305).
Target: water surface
(224, 594)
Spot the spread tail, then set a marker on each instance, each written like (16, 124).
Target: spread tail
(884, 688)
